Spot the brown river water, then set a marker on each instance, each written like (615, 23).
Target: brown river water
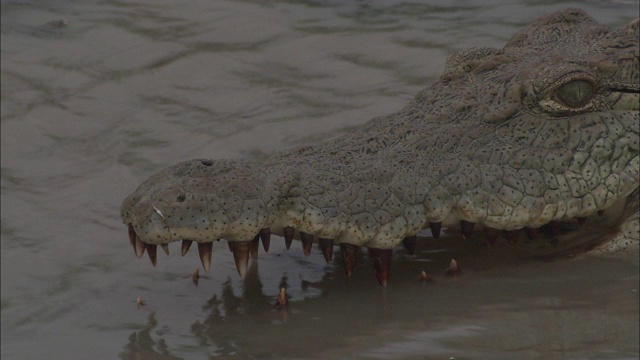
(98, 95)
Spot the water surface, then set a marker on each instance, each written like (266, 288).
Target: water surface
(98, 95)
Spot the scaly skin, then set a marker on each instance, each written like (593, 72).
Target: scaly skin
(545, 129)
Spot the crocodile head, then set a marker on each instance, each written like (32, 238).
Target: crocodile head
(541, 131)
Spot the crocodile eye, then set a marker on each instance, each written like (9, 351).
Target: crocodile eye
(576, 93)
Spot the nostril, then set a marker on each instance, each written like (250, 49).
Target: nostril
(181, 198)
(206, 162)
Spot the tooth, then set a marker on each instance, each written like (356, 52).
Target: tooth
(132, 236)
(531, 232)
(409, 243)
(381, 259)
(424, 277)
(326, 245)
(165, 248)
(282, 301)
(466, 228)
(204, 249)
(490, 235)
(307, 241)
(186, 244)
(196, 277)
(581, 219)
(140, 302)
(152, 251)
(453, 269)
(241, 250)
(288, 236)
(512, 236)
(254, 245)
(350, 256)
(265, 235)
(435, 229)
(140, 245)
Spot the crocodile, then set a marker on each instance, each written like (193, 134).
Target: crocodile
(542, 131)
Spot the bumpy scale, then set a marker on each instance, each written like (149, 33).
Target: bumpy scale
(542, 131)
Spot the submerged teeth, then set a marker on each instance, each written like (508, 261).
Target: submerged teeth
(282, 301)
(132, 236)
(307, 241)
(288, 236)
(409, 243)
(350, 256)
(265, 235)
(435, 229)
(139, 247)
(466, 228)
(380, 258)
(512, 236)
(204, 249)
(152, 252)
(326, 246)
(240, 250)
(186, 244)
(491, 235)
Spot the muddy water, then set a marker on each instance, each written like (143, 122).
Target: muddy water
(97, 95)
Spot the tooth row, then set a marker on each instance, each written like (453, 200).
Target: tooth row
(381, 258)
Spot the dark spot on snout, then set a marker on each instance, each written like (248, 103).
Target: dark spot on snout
(181, 198)
(206, 162)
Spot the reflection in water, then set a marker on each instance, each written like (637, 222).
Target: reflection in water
(229, 314)
(495, 305)
(142, 345)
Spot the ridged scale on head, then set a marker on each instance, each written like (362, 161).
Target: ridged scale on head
(492, 142)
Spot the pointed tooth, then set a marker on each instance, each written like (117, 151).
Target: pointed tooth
(282, 301)
(132, 236)
(350, 256)
(186, 244)
(165, 248)
(424, 277)
(140, 246)
(581, 219)
(600, 212)
(152, 251)
(204, 249)
(265, 235)
(512, 236)
(254, 245)
(454, 268)
(195, 277)
(409, 243)
(307, 241)
(435, 229)
(490, 235)
(326, 246)
(466, 227)
(531, 232)
(288, 236)
(241, 250)
(381, 259)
